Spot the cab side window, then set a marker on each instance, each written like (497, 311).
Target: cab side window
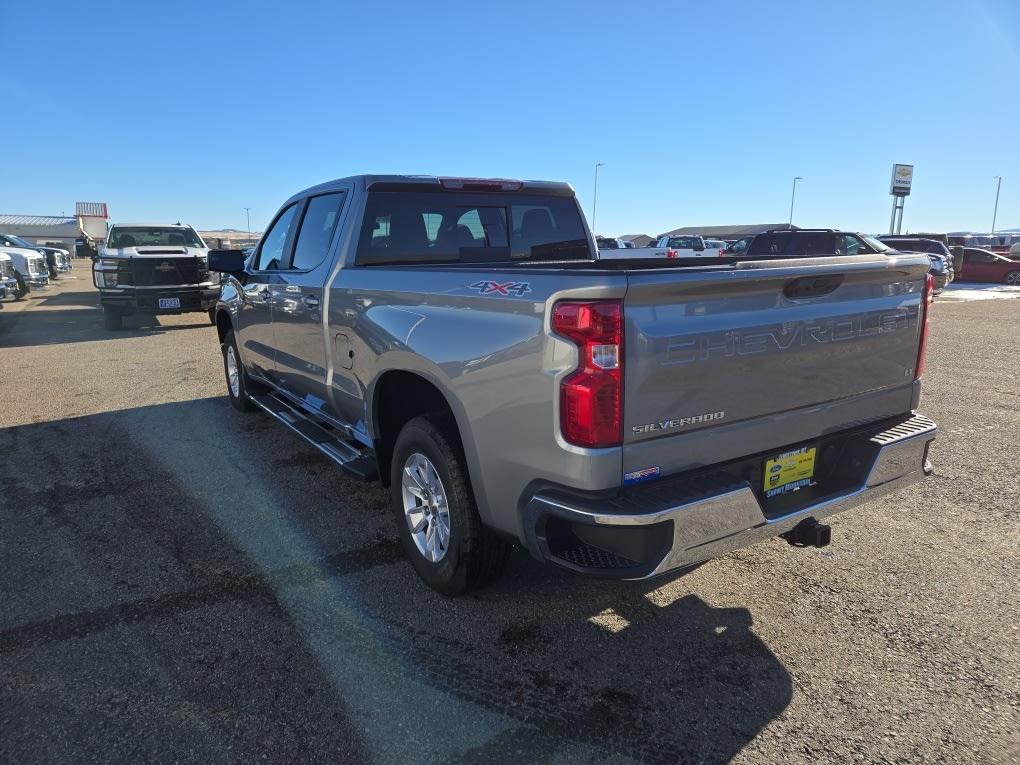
(317, 226)
(274, 242)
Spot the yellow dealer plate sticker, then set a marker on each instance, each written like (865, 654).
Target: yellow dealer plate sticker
(789, 471)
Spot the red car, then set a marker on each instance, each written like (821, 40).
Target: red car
(986, 266)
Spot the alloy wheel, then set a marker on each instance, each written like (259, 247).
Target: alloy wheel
(233, 373)
(425, 507)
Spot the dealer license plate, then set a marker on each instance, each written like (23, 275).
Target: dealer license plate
(789, 471)
(169, 302)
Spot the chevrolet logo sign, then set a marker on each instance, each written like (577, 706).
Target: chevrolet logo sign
(164, 267)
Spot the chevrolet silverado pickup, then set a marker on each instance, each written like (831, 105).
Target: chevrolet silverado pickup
(153, 269)
(460, 341)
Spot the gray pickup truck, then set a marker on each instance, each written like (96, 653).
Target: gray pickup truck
(460, 340)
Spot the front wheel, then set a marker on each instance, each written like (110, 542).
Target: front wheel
(237, 380)
(1013, 278)
(437, 518)
(22, 289)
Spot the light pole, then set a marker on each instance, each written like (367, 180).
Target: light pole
(995, 212)
(247, 215)
(793, 195)
(595, 196)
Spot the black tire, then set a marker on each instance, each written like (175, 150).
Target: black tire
(1012, 278)
(22, 288)
(112, 318)
(474, 557)
(212, 316)
(239, 399)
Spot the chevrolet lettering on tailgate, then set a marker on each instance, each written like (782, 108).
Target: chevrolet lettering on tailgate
(788, 336)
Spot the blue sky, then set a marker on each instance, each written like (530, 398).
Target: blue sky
(701, 111)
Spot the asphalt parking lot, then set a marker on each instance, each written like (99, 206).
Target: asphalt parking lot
(183, 582)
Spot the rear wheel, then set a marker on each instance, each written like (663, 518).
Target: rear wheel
(437, 518)
(112, 318)
(1013, 278)
(237, 380)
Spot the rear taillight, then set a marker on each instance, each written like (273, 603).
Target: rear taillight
(591, 397)
(926, 300)
(721, 252)
(671, 253)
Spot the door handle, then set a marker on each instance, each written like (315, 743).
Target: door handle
(310, 301)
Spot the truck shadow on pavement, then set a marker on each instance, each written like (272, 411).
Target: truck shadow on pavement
(76, 317)
(182, 573)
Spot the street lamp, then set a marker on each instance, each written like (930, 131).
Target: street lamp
(595, 196)
(247, 215)
(995, 212)
(793, 195)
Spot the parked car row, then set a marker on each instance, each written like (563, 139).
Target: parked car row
(666, 247)
(25, 266)
(970, 264)
(58, 260)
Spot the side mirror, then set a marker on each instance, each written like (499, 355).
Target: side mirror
(226, 261)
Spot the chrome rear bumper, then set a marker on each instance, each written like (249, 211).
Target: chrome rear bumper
(707, 522)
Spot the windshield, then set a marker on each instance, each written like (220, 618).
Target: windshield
(153, 236)
(17, 241)
(879, 246)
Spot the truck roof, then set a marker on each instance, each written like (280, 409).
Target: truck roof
(394, 182)
(150, 224)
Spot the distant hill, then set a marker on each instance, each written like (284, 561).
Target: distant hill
(230, 237)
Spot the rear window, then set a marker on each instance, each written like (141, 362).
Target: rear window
(794, 244)
(906, 245)
(439, 227)
(684, 242)
(769, 244)
(813, 243)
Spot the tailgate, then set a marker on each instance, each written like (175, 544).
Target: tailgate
(725, 363)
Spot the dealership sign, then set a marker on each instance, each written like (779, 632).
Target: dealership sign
(902, 175)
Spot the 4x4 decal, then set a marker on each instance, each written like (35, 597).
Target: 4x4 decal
(502, 288)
